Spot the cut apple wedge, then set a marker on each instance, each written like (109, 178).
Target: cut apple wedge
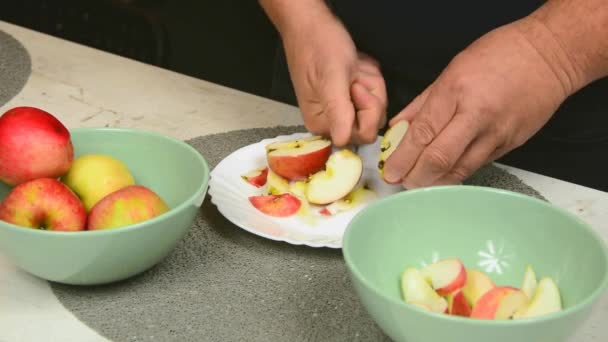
(415, 289)
(390, 141)
(501, 302)
(362, 194)
(276, 184)
(446, 276)
(546, 299)
(283, 205)
(529, 283)
(477, 284)
(342, 173)
(256, 177)
(298, 159)
(458, 305)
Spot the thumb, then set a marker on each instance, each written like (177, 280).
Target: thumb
(338, 107)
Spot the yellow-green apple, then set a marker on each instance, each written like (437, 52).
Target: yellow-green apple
(33, 144)
(276, 184)
(390, 141)
(529, 283)
(282, 205)
(546, 299)
(477, 284)
(342, 173)
(298, 159)
(128, 205)
(501, 302)
(256, 177)
(43, 203)
(94, 176)
(446, 275)
(415, 289)
(362, 194)
(457, 304)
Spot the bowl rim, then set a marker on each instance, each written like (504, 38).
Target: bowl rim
(200, 191)
(578, 307)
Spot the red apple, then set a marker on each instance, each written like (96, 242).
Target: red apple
(43, 203)
(298, 159)
(501, 302)
(477, 284)
(128, 205)
(341, 175)
(282, 205)
(256, 177)
(33, 144)
(446, 276)
(458, 305)
(415, 289)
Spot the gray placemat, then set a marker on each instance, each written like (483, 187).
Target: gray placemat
(224, 284)
(15, 67)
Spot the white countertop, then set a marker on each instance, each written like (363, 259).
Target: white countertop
(85, 87)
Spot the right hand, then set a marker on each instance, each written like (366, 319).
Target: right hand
(340, 92)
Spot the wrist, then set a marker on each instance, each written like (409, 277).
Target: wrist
(291, 17)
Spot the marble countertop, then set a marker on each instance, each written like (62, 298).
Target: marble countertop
(85, 87)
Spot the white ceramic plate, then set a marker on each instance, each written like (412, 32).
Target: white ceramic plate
(230, 193)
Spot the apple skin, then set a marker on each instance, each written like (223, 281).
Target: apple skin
(256, 177)
(296, 160)
(458, 305)
(501, 302)
(446, 276)
(283, 205)
(33, 144)
(43, 203)
(94, 176)
(129, 205)
(477, 284)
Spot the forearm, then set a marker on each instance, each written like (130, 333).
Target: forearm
(576, 34)
(296, 15)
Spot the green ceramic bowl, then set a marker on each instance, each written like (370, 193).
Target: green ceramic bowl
(491, 230)
(171, 168)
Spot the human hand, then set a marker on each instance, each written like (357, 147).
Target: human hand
(340, 91)
(490, 99)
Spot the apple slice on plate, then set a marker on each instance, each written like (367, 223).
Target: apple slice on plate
(256, 177)
(501, 302)
(283, 205)
(298, 159)
(446, 276)
(415, 289)
(390, 141)
(529, 283)
(342, 173)
(546, 300)
(477, 284)
(276, 184)
(362, 194)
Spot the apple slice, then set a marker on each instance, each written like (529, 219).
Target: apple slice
(390, 141)
(529, 283)
(415, 289)
(546, 300)
(362, 194)
(458, 305)
(283, 205)
(276, 184)
(477, 284)
(501, 302)
(298, 159)
(446, 276)
(342, 173)
(256, 177)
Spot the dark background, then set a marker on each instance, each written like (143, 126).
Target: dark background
(230, 42)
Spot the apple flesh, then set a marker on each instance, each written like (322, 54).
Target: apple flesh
(546, 299)
(94, 176)
(43, 203)
(390, 141)
(530, 283)
(361, 195)
(283, 205)
(126, 206)
(446, 276)
(415, 289)
(342, 173)
(33, 144)
(256, 177)
(501, 302)
(477, 284)
(276, 184)
(298, 159)
(458, 305)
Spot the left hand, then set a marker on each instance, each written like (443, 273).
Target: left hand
(490, 99)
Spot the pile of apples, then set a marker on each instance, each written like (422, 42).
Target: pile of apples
(306, 173)
(446, 286)
(53, 191)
